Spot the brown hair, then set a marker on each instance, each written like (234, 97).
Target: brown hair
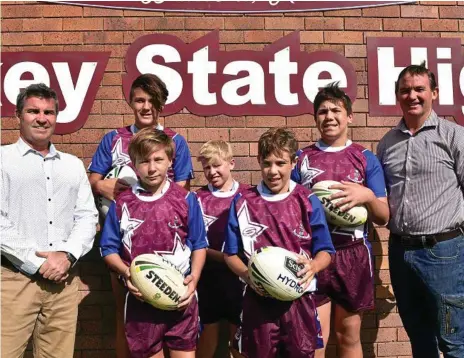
(417, 70)
(333, 93)
(152, 85)
(215, 149)
(39, 90)
(276, 141)
(143, 143)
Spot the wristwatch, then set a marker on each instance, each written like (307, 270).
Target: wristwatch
(71, 258)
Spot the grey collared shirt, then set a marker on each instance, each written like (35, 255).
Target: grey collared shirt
(424, 174)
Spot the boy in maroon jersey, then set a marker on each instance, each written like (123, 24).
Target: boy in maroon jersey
(219, 290)
(156, 216)
(278, 212)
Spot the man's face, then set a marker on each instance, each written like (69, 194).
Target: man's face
(276, 170)
(332, 121)
(415, 96)
(153, 170)
(217, 171)
(37, 121)
(145, 113)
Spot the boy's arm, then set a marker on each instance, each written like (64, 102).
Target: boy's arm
(182, 166)
(296, 172)
(373, 195)
(196, 240)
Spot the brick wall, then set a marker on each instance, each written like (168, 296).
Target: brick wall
(53, 27)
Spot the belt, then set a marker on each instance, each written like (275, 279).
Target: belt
(424, 241)
(9, 265)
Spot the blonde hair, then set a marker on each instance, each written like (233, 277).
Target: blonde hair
(144, 141)
(214, 149)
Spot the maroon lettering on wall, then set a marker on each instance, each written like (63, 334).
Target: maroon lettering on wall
(232, 6)
(280, 80)
(388, 56)
(75, 76)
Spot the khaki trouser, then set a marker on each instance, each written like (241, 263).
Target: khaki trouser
(40, 308)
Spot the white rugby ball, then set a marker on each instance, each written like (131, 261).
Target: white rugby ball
(274, 270)
(354, 217)
(158, 280)
(124, 172)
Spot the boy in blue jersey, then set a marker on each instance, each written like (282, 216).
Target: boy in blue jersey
(335, 157)
(278, 212)
(156, 216)
(148, 96)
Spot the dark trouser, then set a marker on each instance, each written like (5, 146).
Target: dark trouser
(429, 287)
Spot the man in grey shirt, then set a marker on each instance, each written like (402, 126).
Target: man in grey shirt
(423, 160)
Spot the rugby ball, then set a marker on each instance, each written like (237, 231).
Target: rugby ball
(274, 270)
(354, 217)
(158, 280)
(124, 172)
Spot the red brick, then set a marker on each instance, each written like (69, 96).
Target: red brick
(52, 10)
(21, 11)
(452, 12)
(304, 134)
(74, 149)
(231, 37)
(101, 12)
(188, 36)
(284, 23)
(324, 23)
(116, 107)
(439, 2)
(369, 133)
(246, 163)
(62, 38)
(87, 136)
(390, 320)
(402, 335)
(115, 64)
(461, 25)
(439, 25)
(401, 24)
(378, 335)
(305, 120)
(452, 35)
(382, 11)
(347, 13)
(246, 135)
(265, 121)
(89, 342)
(384, 291)
(425, 34)
(262, 36)
(89, 312)
(164, 23)
(205, 134)
(104, 121)
(418, 11)
(301, 14)
(184, 120)
(204, 23)
(10, 123)
(382, 34)
(244, 23)
(12, 25)
(382, 121)
(131, 36)
(85, 24)
(324, 47)
(142, 13)
(117, 50)
(90, 149)
(360, 105)
(395, 348)
(91, 48)
(311, 37)
(9, 136)
(108, 92)
(103, 37)
(123, 24)
(363, 24)
(19, 38)
(225, 121)
(343, 37)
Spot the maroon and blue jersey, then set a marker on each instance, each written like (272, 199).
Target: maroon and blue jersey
(169, 224)
(113, 151)
(294, 221)
(352, 163)
(215, 206)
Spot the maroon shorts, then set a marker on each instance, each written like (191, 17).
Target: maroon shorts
(148, 328)
(349, 279)
(220, 295)
(272, 328)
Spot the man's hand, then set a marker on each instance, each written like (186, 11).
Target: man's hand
(111, 188)
(191, 282)
(56, 266)
(352, 194)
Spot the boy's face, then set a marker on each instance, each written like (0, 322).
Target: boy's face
(276, 170)
(332, 121)
(144, 112)
(217, 171)
(153, 170)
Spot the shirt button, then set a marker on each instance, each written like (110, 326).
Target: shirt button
(49, 199)
(51, 222)
(408, 179)
(50, 244)
(48, 178)
(405, 224)
(409, 158)
(407, 201)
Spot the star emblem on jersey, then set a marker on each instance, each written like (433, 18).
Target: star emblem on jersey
(208, 219)
(248, 229)
(118, 157)
(128, 226)
(308, 172)
(179, 256)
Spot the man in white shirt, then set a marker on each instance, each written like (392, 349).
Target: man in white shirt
(48, 221)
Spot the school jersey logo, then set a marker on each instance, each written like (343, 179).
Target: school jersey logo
(355, 176)
(128, 226)
(249, 229)
(176, 224)
(301, 232)
(309, 173)
(118, 156)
